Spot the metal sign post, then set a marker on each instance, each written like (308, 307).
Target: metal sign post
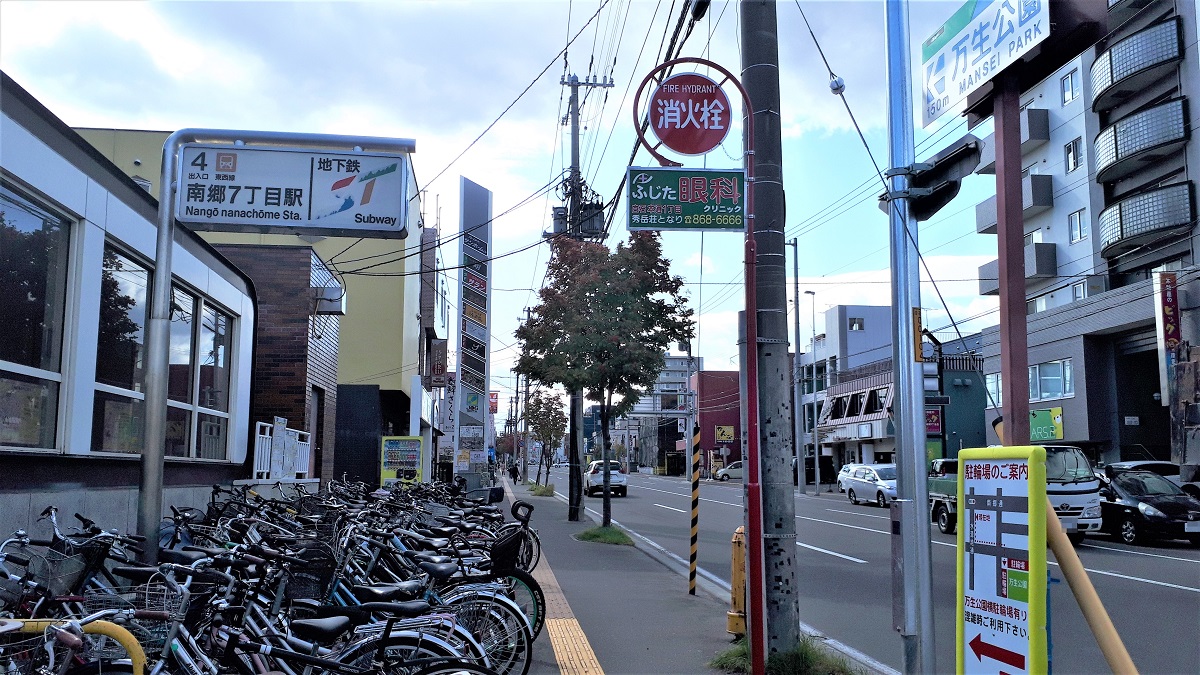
(1001, 567)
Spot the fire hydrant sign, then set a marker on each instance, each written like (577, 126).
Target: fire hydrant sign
(281, 190)
(1001, 618)
(689, 113)
(686, 199)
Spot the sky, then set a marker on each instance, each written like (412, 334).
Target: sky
(477, 86)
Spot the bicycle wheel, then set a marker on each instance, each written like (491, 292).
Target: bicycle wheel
(500, 626)
(523, 589)
(455, 668)
(404, 654)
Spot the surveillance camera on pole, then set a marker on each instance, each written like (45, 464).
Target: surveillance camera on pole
(934, 182)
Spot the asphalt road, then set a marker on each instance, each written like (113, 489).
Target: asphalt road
(844, 558)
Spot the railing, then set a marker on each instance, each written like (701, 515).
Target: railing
(280, 452)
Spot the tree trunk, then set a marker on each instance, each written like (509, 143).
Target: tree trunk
(575, 488)
(605, 454)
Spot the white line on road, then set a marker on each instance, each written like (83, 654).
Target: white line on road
(834, 522)
(832, 553)
(670, 508)
(1152, 555)
(856, 513)
(677, 494)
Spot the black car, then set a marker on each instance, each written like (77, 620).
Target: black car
(1139, 505)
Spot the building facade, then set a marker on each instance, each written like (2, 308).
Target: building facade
(1109, 203)
(659, 415)
(77, 248)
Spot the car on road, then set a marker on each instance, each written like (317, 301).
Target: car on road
(874, 482)
(618, 483)
(1168, 470)
(734, 470)
(846, 471)
(560, 465)
(1142, 505)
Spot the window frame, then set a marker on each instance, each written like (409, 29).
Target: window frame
(1073, 154)
(1079, 291)
(1069, 87)
(1077, 227)
(856, 323)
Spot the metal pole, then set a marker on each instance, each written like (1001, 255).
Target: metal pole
(798, 450)
(909, 407)
(693, 437)
(812, 427)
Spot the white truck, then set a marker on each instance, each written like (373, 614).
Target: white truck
(1071, 487)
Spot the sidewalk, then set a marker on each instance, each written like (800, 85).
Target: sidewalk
(614, 609)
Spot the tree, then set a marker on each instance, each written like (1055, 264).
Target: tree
(546, 419)
(605, 322)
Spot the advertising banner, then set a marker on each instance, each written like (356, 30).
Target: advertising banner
(437, 362)
(1170, 332)
(675, 198)
(286, 190)
(474, 367)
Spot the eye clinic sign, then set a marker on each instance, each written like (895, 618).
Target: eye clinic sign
(689, 113)
(292, 191)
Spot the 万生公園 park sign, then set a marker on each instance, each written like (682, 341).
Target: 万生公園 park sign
(689, 113)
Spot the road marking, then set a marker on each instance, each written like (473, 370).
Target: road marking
(677, 494)
(832, 553)
(834, 522)
(670, 508)
(856, 513)
(1145, 581)
(1152, 555)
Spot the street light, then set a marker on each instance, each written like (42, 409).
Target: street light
(812, 429)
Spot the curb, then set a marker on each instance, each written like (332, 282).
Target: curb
(719, 590)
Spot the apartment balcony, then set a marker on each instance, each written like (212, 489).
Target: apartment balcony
(1037, 195)
(1140, 139)
(1035, 131)
(1041, 262)
(1129, 65)
(1120, 11)
(1146, 217)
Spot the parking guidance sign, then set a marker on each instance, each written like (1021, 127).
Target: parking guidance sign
(1001, 599)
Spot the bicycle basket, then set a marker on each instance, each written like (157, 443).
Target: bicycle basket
(11, 593)
(505, 550)
(63, 567)
(311, 580)
(151, 633)
(25, 654)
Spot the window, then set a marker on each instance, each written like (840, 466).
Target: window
(1074, 154)
(1035, 305)
(119, 415)
(994, 388)
(1034, 237)
(1050, 380)
(33, 291)
(857, 324)
(1078, 291)
(1078, 226)
(1070, 87)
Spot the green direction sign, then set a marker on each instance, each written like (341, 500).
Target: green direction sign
(676, 198)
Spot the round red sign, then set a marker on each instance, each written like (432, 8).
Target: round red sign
(689, 113)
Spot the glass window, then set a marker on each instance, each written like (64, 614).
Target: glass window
(1034, 237)
(34, 245)
(124, 297)
(1079, 290)
(118, 423)
(183, 313)
(1035, 305)
(994, 387)
(1070, 87)
(212, 437)
(1050, 380)
(1073, 154)
(857, 323)
(1078, 226)
(179, 436)
(215, 332)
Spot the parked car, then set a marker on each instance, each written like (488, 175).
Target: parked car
(734, 470)
(877, 482)
(1140, 505)
(1168, 470)
(844, 473)
(617, 481)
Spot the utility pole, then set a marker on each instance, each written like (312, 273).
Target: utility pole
(760, 76)
(801, 455)
(575, 230)
(913, 573)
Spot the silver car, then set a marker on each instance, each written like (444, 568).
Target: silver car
(872, 483)
(844, 473)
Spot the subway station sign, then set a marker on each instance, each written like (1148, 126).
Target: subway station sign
(982, 38)
(292, 191)
(1001, 561)
(678, 199)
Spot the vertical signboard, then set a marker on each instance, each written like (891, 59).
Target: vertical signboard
(474, 304)
(981, 39)
(437, 363)
(1169, 328)
(1001, 599)
(399, 459)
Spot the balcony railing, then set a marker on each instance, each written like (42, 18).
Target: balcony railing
(1037, 195)
(1040, 260)
(1143, 137)
(1129, 65)
(1145, 217)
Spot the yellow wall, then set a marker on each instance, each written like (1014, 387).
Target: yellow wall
(380, 333)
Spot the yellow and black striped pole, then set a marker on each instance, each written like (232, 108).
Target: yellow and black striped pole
(695, 508)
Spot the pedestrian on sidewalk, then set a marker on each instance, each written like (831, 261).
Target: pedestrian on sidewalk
(514, 472)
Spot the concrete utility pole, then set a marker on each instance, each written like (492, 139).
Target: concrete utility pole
(760, 76)
(799, 452)
(913, 617)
